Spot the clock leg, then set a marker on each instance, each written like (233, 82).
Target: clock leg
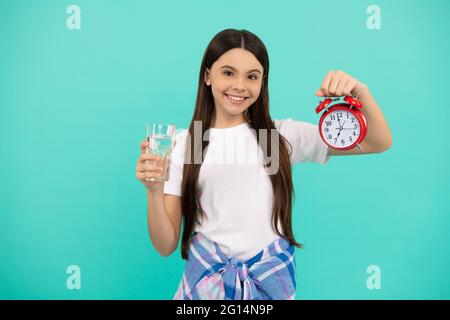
(360, 148)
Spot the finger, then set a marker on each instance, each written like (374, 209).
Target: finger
(349, 86)
(148, 167)
(337, 77)
(319, 93)
(143, 146)
(140, 176)
(341, 86)
(326, 83)
(148, 156)
(146, 175)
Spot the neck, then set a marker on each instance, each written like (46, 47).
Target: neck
(221, 121)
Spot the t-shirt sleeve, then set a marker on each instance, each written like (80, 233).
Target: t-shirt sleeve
(173, 185)
(304, 137)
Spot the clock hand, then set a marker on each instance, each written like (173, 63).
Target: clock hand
(339, 131)
(341, 127)
(337, 137)
(338, 134)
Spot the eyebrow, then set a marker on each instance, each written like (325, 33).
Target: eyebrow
(232, 68)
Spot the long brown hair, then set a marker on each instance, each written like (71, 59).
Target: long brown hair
(258, 117)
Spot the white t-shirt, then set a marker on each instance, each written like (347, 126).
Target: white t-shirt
(235, 191)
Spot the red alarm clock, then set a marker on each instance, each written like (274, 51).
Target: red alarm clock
(342, 126)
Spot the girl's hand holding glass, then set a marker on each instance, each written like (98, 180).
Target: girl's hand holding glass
(153, 166)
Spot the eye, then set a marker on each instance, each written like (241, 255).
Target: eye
(252, 77)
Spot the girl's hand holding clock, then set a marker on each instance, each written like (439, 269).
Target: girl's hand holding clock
(339, 83)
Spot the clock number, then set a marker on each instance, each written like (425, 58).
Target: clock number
(328, 123)
(327, 129)
(332, 117)
(356, 126)
(329, 136)
(342, 141)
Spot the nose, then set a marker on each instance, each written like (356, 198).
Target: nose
(238, 84)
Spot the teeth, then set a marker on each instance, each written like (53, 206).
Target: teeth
(236, 98)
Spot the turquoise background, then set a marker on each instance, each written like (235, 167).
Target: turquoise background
(73, 108)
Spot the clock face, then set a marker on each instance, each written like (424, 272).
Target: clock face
(340, 128)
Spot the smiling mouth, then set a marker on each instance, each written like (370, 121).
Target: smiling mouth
(235, 99)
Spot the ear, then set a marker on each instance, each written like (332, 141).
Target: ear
(207, 80)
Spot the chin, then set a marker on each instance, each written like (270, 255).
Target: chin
(235, 111)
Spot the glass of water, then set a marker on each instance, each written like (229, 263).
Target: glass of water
(161, 138)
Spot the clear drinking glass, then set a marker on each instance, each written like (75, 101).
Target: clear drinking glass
(161, 138)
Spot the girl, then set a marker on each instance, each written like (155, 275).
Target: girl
(237, 235)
